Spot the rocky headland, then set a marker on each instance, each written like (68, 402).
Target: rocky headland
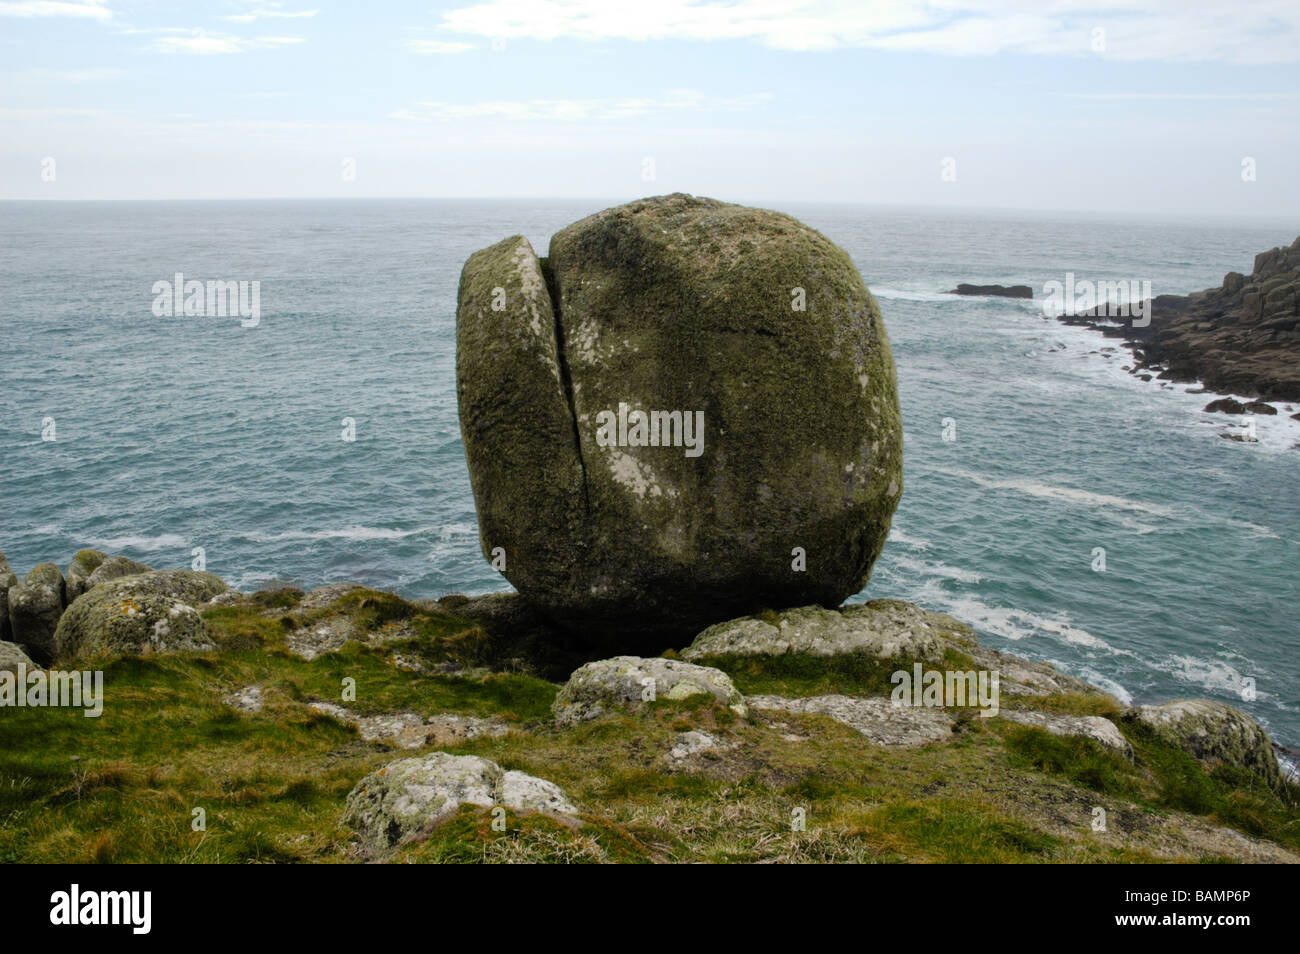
(1240, 338)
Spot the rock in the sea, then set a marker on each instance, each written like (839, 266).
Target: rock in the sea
(882, 722)
(998, 291)
(146, 613)
(1259, 407)
(630, 682)
(690, 408)
(1214, 733)
(80, 569)
(411, 796)
(1226, 405)
(12, 655)
(1102, 731)
(35, 606)
(886, 629)
(114, 568)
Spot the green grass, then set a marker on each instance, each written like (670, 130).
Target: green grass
(123, 788)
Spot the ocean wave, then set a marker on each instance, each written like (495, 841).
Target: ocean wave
(165, 541)
(898, 536)
(1015, 625)
(344, 533)
(938, 569)
(1088, 674)
(1068, 494)
(901, 294)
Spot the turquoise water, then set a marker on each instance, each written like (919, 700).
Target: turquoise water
(176, 433)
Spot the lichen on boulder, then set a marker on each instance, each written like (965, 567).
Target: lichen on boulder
(1213, 733)
(684, 306)
(135, 615)
(85, 563)
(631, 683)
(882, 628)
(409, 796)
(35, 606)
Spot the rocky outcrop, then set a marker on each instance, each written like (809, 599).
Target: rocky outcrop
(1215, 734)
(698, 403)
(83, 565)
(408, 731)
(134, 615)
(630, 683)
(1099, 730)
(1240, 338)
(410, 796)
(994, 291)
(882, 628)
(882, 722)
(35, 606)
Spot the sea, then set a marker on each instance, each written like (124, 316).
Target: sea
(1066, 509)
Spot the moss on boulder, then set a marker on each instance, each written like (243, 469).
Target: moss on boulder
(137, 615)
(677, 304)
(1215, 734)
(114, 568)
(631, 683)
(35, 606)
(82, 566)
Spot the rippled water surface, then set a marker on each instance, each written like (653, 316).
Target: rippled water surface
(175, 433)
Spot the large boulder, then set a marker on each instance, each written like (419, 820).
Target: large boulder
(85, 563)
(134, 615)
(35, 606)
(410, 796)
(1215, 734)
(580, 374)
(630, 683)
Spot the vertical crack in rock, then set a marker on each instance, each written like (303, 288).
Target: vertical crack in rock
(566, 380)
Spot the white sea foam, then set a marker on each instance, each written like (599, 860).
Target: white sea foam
(935, 568)
(903, 294)
(898, 536)
(344, 533)
(1068, 494)
(1015, 624)
(165, 541)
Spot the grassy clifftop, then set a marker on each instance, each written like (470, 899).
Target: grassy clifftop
(264, 746)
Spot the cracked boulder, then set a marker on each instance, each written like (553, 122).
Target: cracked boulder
(410, 796)
(688, 407)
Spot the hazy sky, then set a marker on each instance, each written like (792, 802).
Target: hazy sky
(1141, 106)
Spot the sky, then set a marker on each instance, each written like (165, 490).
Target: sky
(1145, 107)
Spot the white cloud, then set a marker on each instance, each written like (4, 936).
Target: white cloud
(265, 13)
(438, 46)
(202, 42)
(84, 9)
(576, 110)
(1266, 31)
